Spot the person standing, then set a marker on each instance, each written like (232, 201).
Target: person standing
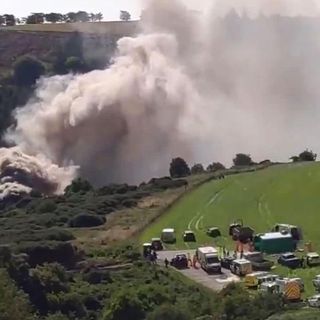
(166, 262)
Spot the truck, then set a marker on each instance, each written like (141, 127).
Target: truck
(289, 288)
(256, 279)
(241, 267)
(209, 259)
(258, 262)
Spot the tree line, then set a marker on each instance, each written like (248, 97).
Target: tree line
(179, 167)
(54, 17)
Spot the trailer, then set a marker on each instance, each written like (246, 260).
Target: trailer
(274, 242)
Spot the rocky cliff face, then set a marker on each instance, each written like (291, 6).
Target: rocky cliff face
(97, 39)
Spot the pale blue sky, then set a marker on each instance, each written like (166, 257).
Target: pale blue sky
(109, 8)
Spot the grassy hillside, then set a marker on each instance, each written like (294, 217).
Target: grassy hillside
(107, 27)
(279, 194)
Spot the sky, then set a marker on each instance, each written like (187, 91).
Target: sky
(109, 8)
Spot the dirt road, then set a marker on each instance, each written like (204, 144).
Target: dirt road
(213, 282)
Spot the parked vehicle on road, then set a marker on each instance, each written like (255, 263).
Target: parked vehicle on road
(300, 282)
(258, 262)
(314, 301)
(256, 279)
(268, 287)
(289, 288)
(313, 259)
(289, 260)
(180, 261)
(156, 244)
(241, 267)
(226, 262)
(168, 235)
(209, 259)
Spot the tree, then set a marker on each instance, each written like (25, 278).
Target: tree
(35, 18)
(13, 303)
(307, 156)
(242, 159)
(168, 312)
(215, 166)
(99, 16)
(122, 305)
(82, 16)
(77, 186)
(179, 168)
(27, 70)
(75, 64)
(54, 17)
(197, 169)
(70, 17)
(10, 19)
(125, 15)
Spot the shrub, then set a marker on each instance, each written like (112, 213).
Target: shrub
(27, 70)
(168, 312)
(197, 169)
(86, 221)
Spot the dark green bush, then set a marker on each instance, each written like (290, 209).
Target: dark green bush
(86, 221)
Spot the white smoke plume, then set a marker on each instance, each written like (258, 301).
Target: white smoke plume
(199, 86)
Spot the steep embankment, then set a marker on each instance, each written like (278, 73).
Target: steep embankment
(279, 194)
(42, 40)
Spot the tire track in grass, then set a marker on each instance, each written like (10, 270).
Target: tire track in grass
(192, 220)
(198, 222)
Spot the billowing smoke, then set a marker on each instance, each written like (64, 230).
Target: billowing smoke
(196, 85)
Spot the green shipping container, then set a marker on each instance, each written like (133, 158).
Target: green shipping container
(274, 242)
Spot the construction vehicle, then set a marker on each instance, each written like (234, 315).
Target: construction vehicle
(146, 249)
(168, 235)
(258, 262)
(180, 261)
(241, 267)
(213, 232)
(209, 259)
(289, 288)
(251, 279)
(241, 233)
(314, 301)
(316, 282)
(189, 236)
(289, 260)
(156, 244)
(312, 259)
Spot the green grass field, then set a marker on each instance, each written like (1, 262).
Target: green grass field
(279, 194)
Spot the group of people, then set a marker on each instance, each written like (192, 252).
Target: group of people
(152, 256)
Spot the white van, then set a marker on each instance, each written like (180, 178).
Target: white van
(168, 235)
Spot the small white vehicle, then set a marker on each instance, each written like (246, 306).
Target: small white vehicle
(314, 301)
(168, 235)
(241, 267)
(269, 287)
(316, 282)
(313, 259)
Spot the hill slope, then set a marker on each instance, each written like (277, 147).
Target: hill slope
(279, 194)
